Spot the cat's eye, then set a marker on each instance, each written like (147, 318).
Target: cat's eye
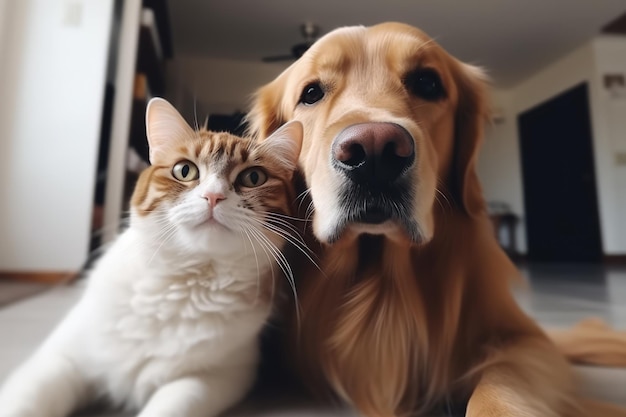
(252, 177)
(185, 171)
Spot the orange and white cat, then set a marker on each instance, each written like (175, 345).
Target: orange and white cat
(169, 322)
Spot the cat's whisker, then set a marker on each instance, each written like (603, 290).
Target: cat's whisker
(286, 225)
(166, 236)
(246, 221)
(281, 216)
(250, 229)
(284, 266)
(309, 212)
(290, 279)
(162, 221)
(296, 241)
(301, 246)
(285, 234)
(249, 233)
(165, 229)
(301, 197)
(270, 216)
(303, 193)
(256, 258)
(284, 216)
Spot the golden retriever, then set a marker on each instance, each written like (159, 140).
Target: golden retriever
(411, 307)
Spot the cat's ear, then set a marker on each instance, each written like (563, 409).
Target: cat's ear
(285, 144)
(165, 127)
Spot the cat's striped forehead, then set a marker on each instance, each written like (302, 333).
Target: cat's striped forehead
(221, 151)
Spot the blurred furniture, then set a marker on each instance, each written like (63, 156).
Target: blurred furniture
(140, 47)
(504, 223)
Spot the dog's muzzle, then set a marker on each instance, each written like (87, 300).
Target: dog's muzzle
(373, 154)
(374, 158)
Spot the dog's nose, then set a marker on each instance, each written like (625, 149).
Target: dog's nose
(373, 153)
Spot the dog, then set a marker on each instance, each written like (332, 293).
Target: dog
(410, 307)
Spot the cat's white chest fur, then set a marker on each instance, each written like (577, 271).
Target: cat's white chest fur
(170, 316)
(141, 326)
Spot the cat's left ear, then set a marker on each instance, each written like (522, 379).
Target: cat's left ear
(285, 144)
(166, 128)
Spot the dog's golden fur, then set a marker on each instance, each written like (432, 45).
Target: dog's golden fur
(394, 325)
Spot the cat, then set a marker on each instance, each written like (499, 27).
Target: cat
(169, 321)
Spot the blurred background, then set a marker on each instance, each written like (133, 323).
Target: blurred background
(75, 76)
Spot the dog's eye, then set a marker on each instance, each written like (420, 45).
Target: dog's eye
(425, 83)
(311, 94)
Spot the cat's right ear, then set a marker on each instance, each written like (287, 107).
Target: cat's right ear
(166, 128)
(285, 144)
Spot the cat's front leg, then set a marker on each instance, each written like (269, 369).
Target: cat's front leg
(200, 395)
(47, 385)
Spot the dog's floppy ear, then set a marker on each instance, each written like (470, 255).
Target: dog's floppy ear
(471, 114)
(266, 114)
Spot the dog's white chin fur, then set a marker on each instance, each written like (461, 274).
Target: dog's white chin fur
(385, 228)
(392, 229)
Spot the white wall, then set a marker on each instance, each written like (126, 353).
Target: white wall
(52, 88)
(4, 5)
(577, 67)
(216, 85)
(499, 166)
(610, 58)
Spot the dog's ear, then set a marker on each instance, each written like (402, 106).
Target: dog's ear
(266, 114)
(471, 114)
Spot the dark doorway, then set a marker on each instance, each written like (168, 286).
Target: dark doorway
(562, 221)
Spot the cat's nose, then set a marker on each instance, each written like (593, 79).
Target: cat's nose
(214, 198)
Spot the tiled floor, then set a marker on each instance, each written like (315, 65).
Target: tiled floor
(559, 296)
(14, 290)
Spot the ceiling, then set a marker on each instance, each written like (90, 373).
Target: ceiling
(511, 38)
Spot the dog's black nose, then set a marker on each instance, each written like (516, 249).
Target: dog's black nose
(373, 154)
